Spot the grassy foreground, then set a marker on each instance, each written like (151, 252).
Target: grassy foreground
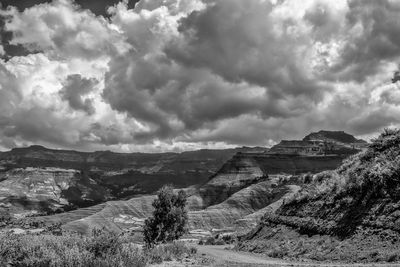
(99, 249)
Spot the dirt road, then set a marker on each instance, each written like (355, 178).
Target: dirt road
(223, 257)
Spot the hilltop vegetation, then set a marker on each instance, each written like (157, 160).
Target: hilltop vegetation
(350, 214)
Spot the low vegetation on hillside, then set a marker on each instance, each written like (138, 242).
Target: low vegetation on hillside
(53, 247)
(99, 249)
(350, 214)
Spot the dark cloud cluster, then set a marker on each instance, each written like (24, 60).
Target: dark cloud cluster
(171, 74)
(75, 88)
(372, 35)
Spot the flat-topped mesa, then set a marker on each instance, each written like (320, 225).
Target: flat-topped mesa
(334, 136)
(322, 143)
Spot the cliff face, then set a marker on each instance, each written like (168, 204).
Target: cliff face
(237, 173)
(355, 207)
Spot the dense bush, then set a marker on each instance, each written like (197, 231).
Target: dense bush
(377, 170)
(99, 249)
(169, 218)
(219, 239)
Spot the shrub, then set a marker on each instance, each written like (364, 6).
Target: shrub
(210, 241)
(103, 243)
(392, 257)
(169, 218)
(219, 242)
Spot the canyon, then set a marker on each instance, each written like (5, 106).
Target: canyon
(39, 181)
(229, 191)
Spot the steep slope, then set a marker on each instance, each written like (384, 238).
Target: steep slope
(351, 214)
(246, 168)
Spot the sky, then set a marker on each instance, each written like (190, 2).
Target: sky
(174, 75)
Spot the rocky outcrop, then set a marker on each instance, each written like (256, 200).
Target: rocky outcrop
(236, 174)
(322, 143)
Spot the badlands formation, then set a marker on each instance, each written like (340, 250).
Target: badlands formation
(39, 181)
(229, 190)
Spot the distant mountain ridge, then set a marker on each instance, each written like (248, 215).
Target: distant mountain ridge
(38, 179)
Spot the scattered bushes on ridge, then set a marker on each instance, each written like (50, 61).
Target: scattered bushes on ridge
(374, 172)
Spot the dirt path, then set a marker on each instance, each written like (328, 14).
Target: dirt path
(223, 257)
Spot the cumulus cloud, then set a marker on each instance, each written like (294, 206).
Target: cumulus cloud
(370, 37)
(173, 75)
(62, 28)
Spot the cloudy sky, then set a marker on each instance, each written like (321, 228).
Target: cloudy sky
(166, 75)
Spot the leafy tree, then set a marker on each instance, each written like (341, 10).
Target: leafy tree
(169, 218)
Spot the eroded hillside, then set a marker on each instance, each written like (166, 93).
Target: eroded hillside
(37, 180)
(234, 199)
(350, 214)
